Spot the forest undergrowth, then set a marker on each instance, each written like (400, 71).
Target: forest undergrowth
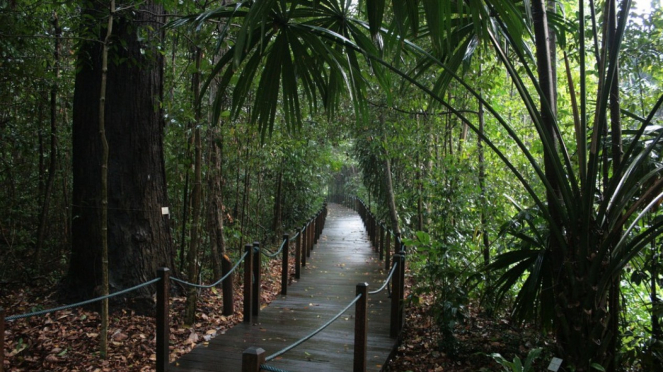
(68, 340)
(422, 343)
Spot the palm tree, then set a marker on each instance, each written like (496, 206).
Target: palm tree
(593, 201)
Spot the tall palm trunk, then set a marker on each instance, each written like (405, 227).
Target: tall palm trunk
(567, 318)
(192, 271)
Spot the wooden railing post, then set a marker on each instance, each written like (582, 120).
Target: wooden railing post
(316, 232)
(377, 235)
(369, 228)
(317, 227)
(284, 265)
(381, 241)
(305, 253)
(2, 339)
(298, 255)
(374, 226)
(248, 282)
(362, 214)
(397, 243)
(361, 328)
(309, 238)
(395, 326)
(401, 312)
(252, 358)
(387, 245)
(256, 275)
(162, 320)
(227, 287)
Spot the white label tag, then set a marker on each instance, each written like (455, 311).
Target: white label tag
(554, 365)
(164, 211)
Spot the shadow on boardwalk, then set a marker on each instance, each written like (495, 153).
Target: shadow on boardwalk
(342, 258)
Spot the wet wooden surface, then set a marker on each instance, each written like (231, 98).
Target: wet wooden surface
(342, 258)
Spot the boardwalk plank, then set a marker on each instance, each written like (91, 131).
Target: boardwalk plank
(342, 258)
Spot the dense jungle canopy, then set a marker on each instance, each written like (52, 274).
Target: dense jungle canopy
(514, 144)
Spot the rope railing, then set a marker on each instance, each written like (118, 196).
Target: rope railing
(269, 254)
(254, 359)
(272, 369)
(376, 229)
(82, 303)
(312, 334)
(305, 240)
(386, 282)
(205, 286)
(161, 317)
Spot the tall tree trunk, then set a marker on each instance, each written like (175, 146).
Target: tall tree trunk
(138, 236)
(66, 205)
(420, 190)
(185, 214)
(196, 195)
(54, 141)
(237, 177)
(216, 191)
(245, 196)
(258, 211)
(391, 199)
(461, 140)
(40, 134)
(388, 186)
(215, 210)
(277, 227)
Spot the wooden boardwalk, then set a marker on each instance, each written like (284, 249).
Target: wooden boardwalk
(342, 258)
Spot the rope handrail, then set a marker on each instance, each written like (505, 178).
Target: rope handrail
(320, 329)
(269, 254)
(386, 282)
(302, 229)
(213, 284)
(65, 307)
(271, 369)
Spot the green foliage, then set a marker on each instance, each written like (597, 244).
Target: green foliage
(27, 79)
(517, 365)
(441, 272)
(526, 265)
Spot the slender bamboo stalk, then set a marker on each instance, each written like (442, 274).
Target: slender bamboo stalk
(54, 142)
(104, 184)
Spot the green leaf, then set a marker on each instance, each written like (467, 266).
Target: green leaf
(597, 367)
(375, 11)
